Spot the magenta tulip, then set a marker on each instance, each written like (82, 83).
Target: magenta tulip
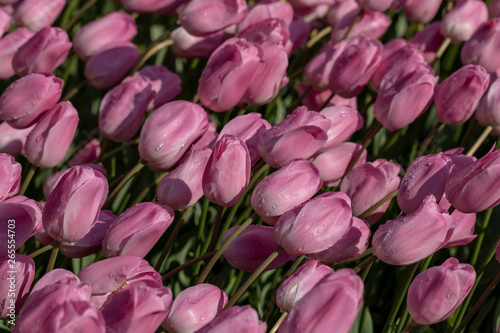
(17, 223)
(460, 23)
(89, 153)
(9, 45)
(344, 121)
(10, 176)
(236, 319)
(190, 46)
(421, 11)
(428, 40)
(168, 7)
(488, 113)
(32, 207)
(481, 48)
(18, 274)
(165, 84)
(12, 140)
(317, 71)
(375, 5)
(53, 180)
(37, 14)
(314, 99)
(371, 25)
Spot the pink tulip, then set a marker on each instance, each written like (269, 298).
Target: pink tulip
(460, 23)
(371, 25)
(236, 319)
(168, 7)
(165, 84)
(53, 180)
(375, 5)
(10, 176)
(435, 294)
(317, 71)
(190, 46)
(227, 173)
(26, 99)
(457, 96)
(5, 21)
(494, 8)
(264, 11)
(487, 113)
(284, 189)
(411, 238)
(428, 40)
(421, 11)
(97, 35)
(37, 14)
(463, 229)
(18, 218)
(299, 33)
(32, 207)
(314, 100)
(270, 32)
(61, 276)
(9, 45)
(481, 48)
(137, 230)
(74, 205)
(89, 153)
(342, 14)
(12, 140)
(344, 121)
(18, 274)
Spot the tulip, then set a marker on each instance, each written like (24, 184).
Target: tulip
(97, 35)
(317, 71)
(123, 109)
(264, 11)
(163, 142)
(137, 309)
(300, 283)
(32, 207)
(61, 276)
(228, 74)
(182, 187)
(17, 276)
(137, 230)
(10, 176)
(426, 175)
(371, 25)
(106, 68)
(343, 14)
(344, 121)
(44, 52)
(355, 66)
(457, 96)
(333, 162)
(12, 140)
(18, 222)
(299, 33)
(53, 180)
(9, 45)
(89, 153)
(73, 206)
(334, 302)
(411, 238)
(481, 48)
(236, 319)
(435, 294)
(487, 113)
(300, 135)
(152, 6)
(207, 140)
(189, 46)
(421, 11)
(270, 32)
(5, 20)
(370, 182)
(249, 128)
(354, 243)
(165, 84)
(195, 307)
(227, 173)
(460, 23)
(252, 247)
(463, 229)
(405, 93)
(375, 5)
(428, 40)
(314, 100)
(284, 189)
(202, 17)
(25, 100)
(37, 14)
(92, 241)
(494, 8)
(111, 275)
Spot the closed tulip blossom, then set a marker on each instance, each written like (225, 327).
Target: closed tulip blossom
(168, 7)
(316, 225)
(488, 112)
(10, 176)
(369, 183)
(227, 173)
(284, 189)
(74, 205)
(375, 5)
(12, 140)
(494, 8)
(26, 99)
(24, 267)
(314, 99)
(343, 14)
(53, 180)
(264, 11)
(9, 45)
(32, 207)
(37, 14)
(457, 96)
(236, 319)
(317, 71)
(371, 25)
(435, 294)
(195, 307)
(306, 277)
(269, 32)
(428, 40)
(460, 23)
(25, 220)
(300, 135)
(344, 121)
(430, 228)
(97, 35)
(463, 229)
(89, 153)
(165, 84)
(189, 46)
(480, 49)
(421, 11)
(137, 230)
(5, 20)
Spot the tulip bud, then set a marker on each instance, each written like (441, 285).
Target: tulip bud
(481, 48)
(53, 180)
(317, 71)
(300, 283)
(74, 205)
(9, 45)
(17, 277)
(24, 101)
(300, 135)
(428, 40)
(137, 230)
(106, 68)
(494, 8)
(97, 35)
(165, 84)
(189, 46)
(167, 7)
(487, 113)
(236, 319)
(457, 96)
(370, 182)
(5, 20)
(44, 52)
(343, 14)
(285, 189)
(12, 140)
(111, 275)
(61, 276)
(460, 23)
(344, 121)
(227, 173)
(371, 25)
(10, 176)
(299, 33)
(314, 99)
(202, 17)
(435, 294)
(421, 11)
(355, 66)
(429, 227)
(195, 307)
(463, 229)
(163, 142)
(375, 5)
(228, 74)
(264, 11)
(18, 218)
(33, 208)
(89, 153)
(37, 14)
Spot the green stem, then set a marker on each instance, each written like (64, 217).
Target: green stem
(409, 327)
(468, 132)
(379, 203)
(74, 90)
(316, 38)
(78, 14)
(155, 47)
(112, 152)
(187, 264)
(278, 323)
(442, 48)
(53, 257)
(216, 227)
(40, 251)
(201, 230)
(348, 261)
(125, 179)
(365, 263)
(428, 139)
(144, 192)
(27, 180)
(479, 141)
(5, 328)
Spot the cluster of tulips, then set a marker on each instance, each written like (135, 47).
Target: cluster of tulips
(185, 166)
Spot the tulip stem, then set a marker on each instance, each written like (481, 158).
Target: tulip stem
(53, 256)
(154, 47)
(75, 90)
(5, 328)
(468, 132)
(479, 141)
(327, 101)
(118, 149)
(379, 203)
(348, 261)
(125, 179)
(172, 238)
(478, 304)
(252, 278)
(317, 37)
(78, 14)
(409, 327)
(428, 139)
(442, 48)
(364, 263)
(191, 262)
(278, 323)
(40, 251)
(27, 180)
(221, 250)
(144, 192)
(213, 239)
